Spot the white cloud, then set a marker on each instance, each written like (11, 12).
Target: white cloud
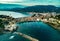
(10, 1)
(32, 2)
(7, 0)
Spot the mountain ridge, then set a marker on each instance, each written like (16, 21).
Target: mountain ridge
(36, 8)
(42, 8)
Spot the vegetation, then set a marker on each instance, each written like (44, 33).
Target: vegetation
(1, 26)
(58, 17)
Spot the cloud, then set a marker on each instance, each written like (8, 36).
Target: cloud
(32, 2)
(10, 1)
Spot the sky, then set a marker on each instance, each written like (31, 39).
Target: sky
(32, 2)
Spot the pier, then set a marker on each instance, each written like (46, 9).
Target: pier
(26, 36)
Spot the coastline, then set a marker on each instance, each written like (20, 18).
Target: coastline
(54, 27)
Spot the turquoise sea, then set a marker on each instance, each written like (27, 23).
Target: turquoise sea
(38, 30)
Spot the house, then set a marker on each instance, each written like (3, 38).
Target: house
(10, 27)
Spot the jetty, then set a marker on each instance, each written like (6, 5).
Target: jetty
(26, 36)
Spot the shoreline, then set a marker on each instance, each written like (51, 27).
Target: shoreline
(53, 26)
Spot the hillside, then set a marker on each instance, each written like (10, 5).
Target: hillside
(37, 8)
(41, 8)
(7, 7)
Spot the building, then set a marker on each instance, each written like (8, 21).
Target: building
(10, 27)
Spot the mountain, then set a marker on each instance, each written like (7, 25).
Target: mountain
(40, 8)
(10, 6)
(37, 8)
(57, 10)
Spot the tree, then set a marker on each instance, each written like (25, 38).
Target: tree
(1, 26)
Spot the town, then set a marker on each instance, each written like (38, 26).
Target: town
(49, 18)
